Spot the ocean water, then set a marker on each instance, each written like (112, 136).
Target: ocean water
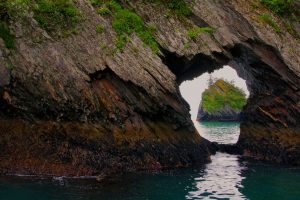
(226, 177)
(221, 132)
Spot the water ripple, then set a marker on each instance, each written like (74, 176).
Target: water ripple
(222, 179)
(221, 132)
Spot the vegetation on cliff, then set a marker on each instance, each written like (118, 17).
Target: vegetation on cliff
(50, 14)
(179, 7)
(222, 94)
(283, 7)
(196, 30)
(62, 16)
(269, 20)
(287, 10)
(125, 22)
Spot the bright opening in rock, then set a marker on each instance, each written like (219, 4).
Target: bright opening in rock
(192, 93)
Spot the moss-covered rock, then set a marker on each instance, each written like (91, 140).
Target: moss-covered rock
(222, 101)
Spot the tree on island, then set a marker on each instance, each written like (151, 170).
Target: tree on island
(210, 80)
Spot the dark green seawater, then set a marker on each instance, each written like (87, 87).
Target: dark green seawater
(226, 177)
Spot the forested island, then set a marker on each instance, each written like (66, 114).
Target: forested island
(221, 101)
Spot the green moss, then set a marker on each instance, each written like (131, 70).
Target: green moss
(51, 15)
(103, 46)
(103, 11)
(56, 14)
(99, 28)
(283, 7)
(10, 66)
(186, 45)
(121, 41)
(13, 8)
(222, 94)
(125, 22)
(9, 9)
(5, 34)
(178, 7)
(288, 10)
(196, 31)
(152, 28)
(269, 20)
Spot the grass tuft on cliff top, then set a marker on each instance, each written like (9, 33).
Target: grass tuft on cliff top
(178, 7)
(288, 8)
(269, 20)
(195, 31)
(56, 14)
(52, 15)
(126, 22)
(221, 94)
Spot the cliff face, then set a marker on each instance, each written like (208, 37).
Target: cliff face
(72, 103)
(221, 101)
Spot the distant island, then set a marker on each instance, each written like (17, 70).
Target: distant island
(221, 101)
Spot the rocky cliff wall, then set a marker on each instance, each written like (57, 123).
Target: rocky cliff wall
(75, 105)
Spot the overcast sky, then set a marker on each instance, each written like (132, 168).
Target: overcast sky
(192, 90)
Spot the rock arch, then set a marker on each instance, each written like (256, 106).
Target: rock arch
(69, 106)
(272, 112)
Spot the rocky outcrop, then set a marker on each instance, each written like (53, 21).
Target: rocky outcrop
(226, 114)
(108, 140)
(221, 101)
(72, 106)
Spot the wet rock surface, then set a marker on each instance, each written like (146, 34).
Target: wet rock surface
(70, 107)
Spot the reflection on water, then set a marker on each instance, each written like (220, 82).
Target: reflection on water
(222, 179)
(226, 177)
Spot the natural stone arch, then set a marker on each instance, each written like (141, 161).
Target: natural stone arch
(70, 107)
(270, 124)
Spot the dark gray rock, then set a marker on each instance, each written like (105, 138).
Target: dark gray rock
(224, 114)
(75, 108)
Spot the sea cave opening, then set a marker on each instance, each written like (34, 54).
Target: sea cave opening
(221, 130)
(271, 114)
